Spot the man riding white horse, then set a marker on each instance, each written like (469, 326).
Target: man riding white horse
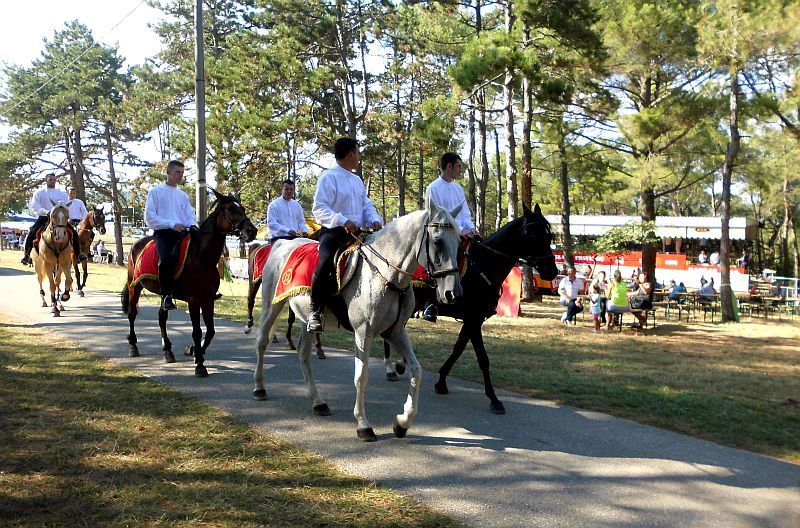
(341, 206)
(41, 202)
(285, 216)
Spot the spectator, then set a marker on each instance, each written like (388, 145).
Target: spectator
(569, 291)
(596, 301)
(101, 252)
(617, 293)
(744, 260)
(702, 258)
(714, 258)
(706, 292)
(675, 291)
(601, 282)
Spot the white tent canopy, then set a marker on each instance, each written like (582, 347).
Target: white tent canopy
(701, 227)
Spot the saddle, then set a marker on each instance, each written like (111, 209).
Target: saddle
(147, 264)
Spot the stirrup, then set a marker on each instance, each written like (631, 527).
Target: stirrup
(26, 260)
(167, 303)
(430, 313)
(314, 323)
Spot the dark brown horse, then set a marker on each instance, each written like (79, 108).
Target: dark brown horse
(95, 220)
(198, 282)
(252, 290)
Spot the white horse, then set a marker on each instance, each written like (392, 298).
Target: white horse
(378, 298)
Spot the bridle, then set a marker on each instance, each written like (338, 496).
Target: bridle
(534, 261)
(235, 229)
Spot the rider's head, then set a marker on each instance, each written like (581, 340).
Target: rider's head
(174, 173)
(345, 150)
(72, 193)
(450, 164)
(50, 180)
(287, 192)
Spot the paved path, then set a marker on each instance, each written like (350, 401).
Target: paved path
(541, 465)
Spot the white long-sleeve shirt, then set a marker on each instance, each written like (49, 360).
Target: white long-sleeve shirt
(284, 216)
(77, 209)
(40, 201)
(450, 195)
(168, 206)
(341, 196)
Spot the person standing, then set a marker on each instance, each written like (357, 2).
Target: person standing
(40, 203)
(341, 206)
(77, 209)
(445, 192)
(285, 216)
(170, 215)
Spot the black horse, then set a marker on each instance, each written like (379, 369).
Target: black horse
(488, 264)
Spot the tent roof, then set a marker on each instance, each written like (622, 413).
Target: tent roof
(708, 227)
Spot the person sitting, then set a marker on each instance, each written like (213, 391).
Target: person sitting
(101, 252)
(713, 259)
(617, 294)
(675, 291)
(706, 292)
(569, 291)
(702, 258)
(285, 216)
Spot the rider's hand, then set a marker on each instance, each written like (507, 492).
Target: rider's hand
(350, 227)
(179, 227)
(193, 228)
(292, 233)
(376, 226)
(305, 235)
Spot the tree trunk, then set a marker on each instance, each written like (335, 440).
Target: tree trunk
(421, 181)
(649, 251)
(563, 176)
(785, 227)
(471, 161)
(383, 193)
(115, 199)
(511, 142)
(498, 220)
(725, 291)
(483, 180)
(527, 162)
(401, 180)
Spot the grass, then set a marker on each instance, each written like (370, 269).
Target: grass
(86, 443)
(738, 385)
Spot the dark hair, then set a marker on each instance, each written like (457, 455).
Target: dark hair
(448, 158)
(618, 276)
(343, 147)
(288, 182)
(174, 163)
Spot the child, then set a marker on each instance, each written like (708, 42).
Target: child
(595, 298)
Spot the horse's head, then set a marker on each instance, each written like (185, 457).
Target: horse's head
(99, 219)
(439, 251)
(232, 217)
(59, 218)
(536, 250)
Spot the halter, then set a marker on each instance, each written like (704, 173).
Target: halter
(235, 229)
(533, 261)
(92, 222)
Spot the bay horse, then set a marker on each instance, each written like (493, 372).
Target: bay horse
(252, 290)
(197, 283)
(488, 264)
(96, 219)
(374, 300)
(52, 256)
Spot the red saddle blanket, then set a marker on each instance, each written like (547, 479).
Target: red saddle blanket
(259, 259)
(146, 266)
(299, 268)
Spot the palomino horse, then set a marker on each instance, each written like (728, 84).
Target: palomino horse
(488, 264)
(96, 219)
(252, 290)
(197, 283)
(375, 300)
(53, 256)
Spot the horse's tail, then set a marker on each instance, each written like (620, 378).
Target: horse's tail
(124, 298)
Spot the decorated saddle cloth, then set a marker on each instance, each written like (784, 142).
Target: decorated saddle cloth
(421, 276)
(295, 278)
(259, 259)
(40, 232)
(147, 264)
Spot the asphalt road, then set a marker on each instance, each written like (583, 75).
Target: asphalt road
(541, 465)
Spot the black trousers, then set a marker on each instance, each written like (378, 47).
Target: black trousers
(572, 309)
(330, 240)
(42, 222)
(168, 242)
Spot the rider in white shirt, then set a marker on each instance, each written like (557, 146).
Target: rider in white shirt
(170, 215)
(285, 216)
(41, 203)
(77, 209)
(342, 207)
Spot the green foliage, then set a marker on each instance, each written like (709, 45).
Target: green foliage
(626, 237)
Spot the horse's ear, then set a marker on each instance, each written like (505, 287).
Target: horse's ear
(537, 210)
(525, 210)
(454, 212)
(217, 195)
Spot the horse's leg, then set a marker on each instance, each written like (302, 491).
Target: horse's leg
(463, 337)
(252, 290)
(133, 309)
(208, 320)
(65, 269)
(166, 344)
(196, 348)
(77, 271)
(82, 282)
(391, 373)
(318, 345)
(304, 355)
(289, 324)
(53, 300)
(269, 317)
(361, 378)
(483, 362)
(402, 422)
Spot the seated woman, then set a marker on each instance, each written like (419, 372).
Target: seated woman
(617, 294)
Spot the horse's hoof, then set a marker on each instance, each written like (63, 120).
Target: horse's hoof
(366, 434)
(399, 432)
(169, 357)
(322, 409)
(497, 407)
(189, 350)
(392, 376)
(320, 354)
(440, 387)
(248, 329)
(44, 304)
(80, 293)
(200, 371)
(133, 352)
(274, 339)
(65, 296)
(291, 346)
(400, 368)
(260, 394)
